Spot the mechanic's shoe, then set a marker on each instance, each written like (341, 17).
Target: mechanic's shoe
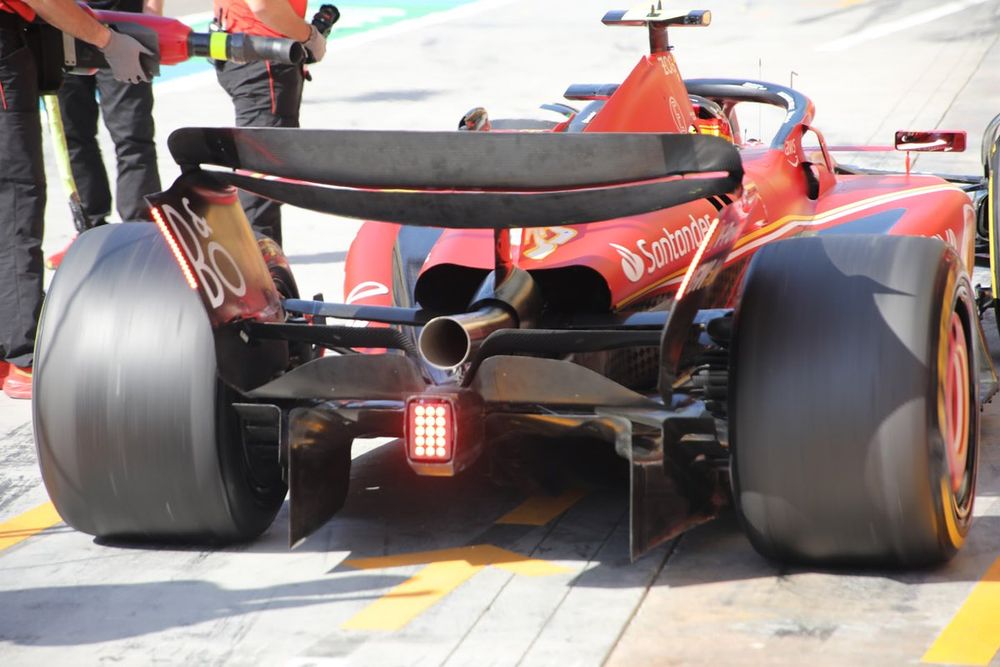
(55, 259)
(17, 384)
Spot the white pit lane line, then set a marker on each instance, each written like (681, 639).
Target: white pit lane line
(920, 18)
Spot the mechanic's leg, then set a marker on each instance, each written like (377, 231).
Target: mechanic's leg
(128, 115)
(264, 95)
(79, 113)
(22, 198)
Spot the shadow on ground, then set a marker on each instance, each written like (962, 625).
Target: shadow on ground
(100, 613)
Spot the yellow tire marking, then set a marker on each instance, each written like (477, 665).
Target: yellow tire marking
(28, 524)
(446, 570)
(957, 539)
(539, 510)
(994, 269)
(973, 636)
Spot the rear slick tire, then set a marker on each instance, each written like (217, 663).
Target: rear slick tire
(136, 435)
(854, 403)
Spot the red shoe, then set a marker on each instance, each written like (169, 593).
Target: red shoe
(55, 259)
(4, 369)
(18, 382)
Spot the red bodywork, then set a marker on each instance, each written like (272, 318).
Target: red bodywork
(643, 258)
(171, 33)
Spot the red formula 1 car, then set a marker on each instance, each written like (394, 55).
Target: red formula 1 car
(742, 322)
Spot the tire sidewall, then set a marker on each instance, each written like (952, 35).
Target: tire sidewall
(912, 515)
(136, 435)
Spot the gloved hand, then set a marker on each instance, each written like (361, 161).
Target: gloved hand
(315, 45)
(122, 54)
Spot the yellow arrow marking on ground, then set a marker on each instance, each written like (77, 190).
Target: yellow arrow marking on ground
(973, 636)
(446, 570)
(30, 523)
(539, 510)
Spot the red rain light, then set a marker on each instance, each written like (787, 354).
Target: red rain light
(174, 248)
(430, 430)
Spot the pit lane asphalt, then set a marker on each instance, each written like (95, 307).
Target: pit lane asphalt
(572, 597)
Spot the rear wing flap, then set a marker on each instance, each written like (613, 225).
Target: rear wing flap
(466, 179)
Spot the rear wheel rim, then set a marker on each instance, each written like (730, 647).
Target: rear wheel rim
(956, 399)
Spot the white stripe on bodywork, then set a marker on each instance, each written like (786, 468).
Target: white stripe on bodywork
(825, 218)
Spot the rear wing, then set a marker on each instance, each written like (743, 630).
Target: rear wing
(475, 180)
(466, 179)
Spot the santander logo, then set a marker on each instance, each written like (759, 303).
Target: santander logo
(660, 253)
(632, 264)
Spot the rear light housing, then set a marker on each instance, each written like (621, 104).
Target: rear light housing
(443, 432)
(430, 424)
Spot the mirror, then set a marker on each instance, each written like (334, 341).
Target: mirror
(942, 141)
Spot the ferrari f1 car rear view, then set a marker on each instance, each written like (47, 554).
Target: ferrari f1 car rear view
(742, 322)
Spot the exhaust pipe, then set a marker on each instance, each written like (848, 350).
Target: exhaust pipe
(448, 342)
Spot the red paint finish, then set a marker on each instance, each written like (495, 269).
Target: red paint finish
(368, 270)
(465, 247)
(172, 34)
(652, 99)
(788, 190)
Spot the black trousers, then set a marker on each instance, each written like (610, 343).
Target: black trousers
(22, 195)
(264, 95)
(128, 114)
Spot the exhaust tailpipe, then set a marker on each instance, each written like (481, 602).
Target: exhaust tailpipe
(448, 342)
